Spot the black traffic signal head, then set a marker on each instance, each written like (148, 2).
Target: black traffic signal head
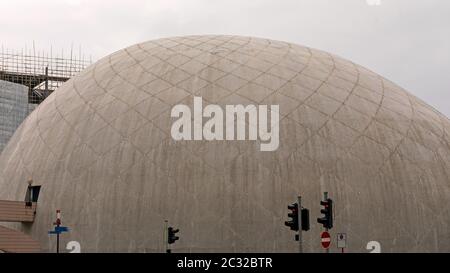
(327, 211)
(293, 222)
(171, 238)
(305, 219)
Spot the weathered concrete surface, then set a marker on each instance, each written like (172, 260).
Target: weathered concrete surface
(100, 146)
(13, 109)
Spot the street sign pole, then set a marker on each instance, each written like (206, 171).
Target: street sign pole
(58, 224)
(299, 215)
(325, 197)
(166, 236)
(58, 229)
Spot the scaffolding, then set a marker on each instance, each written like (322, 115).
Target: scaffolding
(41, 73)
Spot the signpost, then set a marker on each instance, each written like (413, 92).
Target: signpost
(325, 239)
(299, 221)
(342, 241)
(58, 229)
(326, 221)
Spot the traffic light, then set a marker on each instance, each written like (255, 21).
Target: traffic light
(305, 219)
(327, 211)
(293, 223)
(171, 238)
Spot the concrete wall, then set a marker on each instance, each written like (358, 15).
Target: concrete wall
(13, 109)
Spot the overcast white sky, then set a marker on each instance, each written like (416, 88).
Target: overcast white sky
(406, 41)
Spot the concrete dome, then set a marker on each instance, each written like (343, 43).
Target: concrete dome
(102, 150)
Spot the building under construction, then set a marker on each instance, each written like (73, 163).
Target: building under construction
(26, 79)
(42, 73)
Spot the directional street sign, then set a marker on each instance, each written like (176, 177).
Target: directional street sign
(59, 230)
(326, 239)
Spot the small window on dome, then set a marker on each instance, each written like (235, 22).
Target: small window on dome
(32, 195)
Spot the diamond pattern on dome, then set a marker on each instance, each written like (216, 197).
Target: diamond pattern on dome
(105, 135)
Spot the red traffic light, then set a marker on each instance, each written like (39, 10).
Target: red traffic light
(293, 222)
(293, 207)
(327, 211)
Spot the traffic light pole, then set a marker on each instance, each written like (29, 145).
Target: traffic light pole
(299, 215)
(325, 197)
(166, 235)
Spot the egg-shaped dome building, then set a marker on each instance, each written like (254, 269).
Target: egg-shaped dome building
(102, 151)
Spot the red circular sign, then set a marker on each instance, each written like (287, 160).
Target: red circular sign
(326, 239)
